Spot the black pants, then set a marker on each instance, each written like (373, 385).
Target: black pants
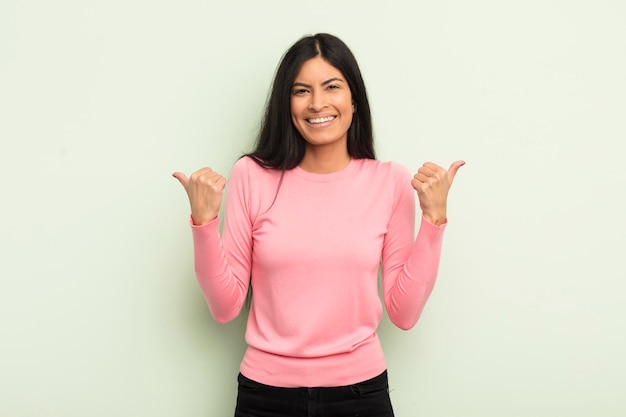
(365, 399)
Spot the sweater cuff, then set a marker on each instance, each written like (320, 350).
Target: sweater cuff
(430, 233)
(200, 226)
(426, 224)
(203, 230)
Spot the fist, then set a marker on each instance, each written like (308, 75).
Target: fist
(432, 184)
(205, 189)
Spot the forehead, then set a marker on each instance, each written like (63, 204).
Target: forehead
(317, 69)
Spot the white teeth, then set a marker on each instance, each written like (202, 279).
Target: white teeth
(321, 119)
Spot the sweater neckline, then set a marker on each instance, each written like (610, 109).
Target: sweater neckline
(333, 176)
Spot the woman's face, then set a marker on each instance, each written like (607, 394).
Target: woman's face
(321, 104)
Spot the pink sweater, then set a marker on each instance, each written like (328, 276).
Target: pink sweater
(312, 253)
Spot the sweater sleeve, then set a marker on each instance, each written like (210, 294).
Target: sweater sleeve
(410, 266)
(222, 264)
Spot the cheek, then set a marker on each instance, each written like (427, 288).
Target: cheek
(351, 120)
(346, 106)
(296, 123)
(292, 109)
(293, 112)
(295, 109)
(294, 119)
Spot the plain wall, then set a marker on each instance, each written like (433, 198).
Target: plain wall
(100, 102)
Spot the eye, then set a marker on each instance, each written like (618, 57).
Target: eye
(333, 87)
(299, 92)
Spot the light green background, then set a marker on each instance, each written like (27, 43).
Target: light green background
(100, 101)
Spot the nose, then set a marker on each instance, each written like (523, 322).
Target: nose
(317, 102)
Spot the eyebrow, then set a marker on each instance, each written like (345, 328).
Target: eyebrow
(299, 84)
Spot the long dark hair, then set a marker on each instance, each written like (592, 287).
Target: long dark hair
(279, 145)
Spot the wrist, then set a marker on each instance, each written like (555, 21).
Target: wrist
(202, 220)
(436, 219)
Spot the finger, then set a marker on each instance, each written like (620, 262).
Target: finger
(432, 166)
(432, 170)
(421, 177)
(417, 185)
(221, 183)
(426, 171)
(213, 179)
(182, 178)
(453, 169)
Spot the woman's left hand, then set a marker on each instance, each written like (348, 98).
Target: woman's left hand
(432, 184)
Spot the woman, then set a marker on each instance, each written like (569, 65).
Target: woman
(309, 216)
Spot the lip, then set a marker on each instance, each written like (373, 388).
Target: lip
(321, 120)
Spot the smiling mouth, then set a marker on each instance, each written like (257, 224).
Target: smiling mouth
(319, 120)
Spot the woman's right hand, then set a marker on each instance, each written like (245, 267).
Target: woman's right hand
(205, 189)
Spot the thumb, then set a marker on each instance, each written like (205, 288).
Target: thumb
(182, 178)
(453, 169)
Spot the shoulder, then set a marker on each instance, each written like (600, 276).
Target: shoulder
(388, 169)
(246, 165)
(246, 170)
(390, 178)
(243, 165)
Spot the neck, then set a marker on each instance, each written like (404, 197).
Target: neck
(318, 161)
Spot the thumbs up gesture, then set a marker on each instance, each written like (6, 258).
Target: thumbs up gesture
(432, 184)
(205, 189)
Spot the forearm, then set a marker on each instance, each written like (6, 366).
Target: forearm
(223, 291)
(410, 286)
